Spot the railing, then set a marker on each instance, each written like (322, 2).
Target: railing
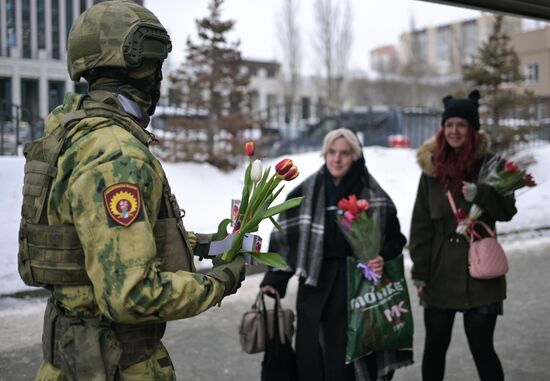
(17, 127)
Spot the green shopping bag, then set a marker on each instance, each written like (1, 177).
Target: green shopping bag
(379, 315)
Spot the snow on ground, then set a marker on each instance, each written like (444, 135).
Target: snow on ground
(205, 193)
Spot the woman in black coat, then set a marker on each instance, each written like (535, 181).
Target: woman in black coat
(451, 161)
(316, 251)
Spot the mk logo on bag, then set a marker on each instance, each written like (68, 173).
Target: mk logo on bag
(393, 314)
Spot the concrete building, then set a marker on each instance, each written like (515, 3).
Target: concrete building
(443, 49)
(533, 49)
(33, 46)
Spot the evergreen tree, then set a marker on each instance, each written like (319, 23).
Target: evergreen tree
(494, 69)
(212, 79)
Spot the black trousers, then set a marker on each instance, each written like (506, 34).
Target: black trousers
(321, 328)
(479, 329)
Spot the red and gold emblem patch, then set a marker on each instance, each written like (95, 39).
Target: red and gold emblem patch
(122, 202)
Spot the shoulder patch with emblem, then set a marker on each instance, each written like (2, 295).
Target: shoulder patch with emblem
(122, 203)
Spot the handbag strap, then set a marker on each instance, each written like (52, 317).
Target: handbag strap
(452, 203)
(490, 231)
(279, 324)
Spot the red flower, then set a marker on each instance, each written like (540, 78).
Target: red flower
(510, 166)
(283, 166)
(249, 148)
(349, 205)
(461, 214)
(362, 204)
(529, 180)
(291, 174)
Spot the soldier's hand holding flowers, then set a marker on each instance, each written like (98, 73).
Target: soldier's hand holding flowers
(260, 190)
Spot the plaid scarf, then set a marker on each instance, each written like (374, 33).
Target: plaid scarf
(302, 242)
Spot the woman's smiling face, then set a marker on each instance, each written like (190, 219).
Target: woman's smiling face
(456, 132)
(339, 158)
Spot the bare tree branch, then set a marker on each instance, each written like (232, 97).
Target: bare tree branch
(332, 42)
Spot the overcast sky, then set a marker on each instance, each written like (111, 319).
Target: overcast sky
(375, 23)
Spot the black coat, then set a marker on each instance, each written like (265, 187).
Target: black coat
(439, 255)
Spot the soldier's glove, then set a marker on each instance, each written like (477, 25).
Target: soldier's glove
(230, 273)
(200, 243)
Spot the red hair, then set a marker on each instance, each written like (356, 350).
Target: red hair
(451, 167)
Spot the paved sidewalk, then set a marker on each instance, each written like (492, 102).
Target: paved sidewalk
(206, 347)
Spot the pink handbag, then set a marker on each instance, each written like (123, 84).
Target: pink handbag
(486, 257)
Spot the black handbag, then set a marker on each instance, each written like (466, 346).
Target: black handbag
(279, 361)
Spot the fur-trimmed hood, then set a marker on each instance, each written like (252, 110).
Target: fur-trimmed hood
(425, 152)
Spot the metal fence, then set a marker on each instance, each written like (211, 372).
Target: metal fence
(411, 127)
(17, 127)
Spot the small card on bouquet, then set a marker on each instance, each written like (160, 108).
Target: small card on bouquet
(251, 242)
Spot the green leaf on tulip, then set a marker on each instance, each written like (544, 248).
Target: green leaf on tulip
(276, 224)
(288, 204)
(222, 230)
(269, 259)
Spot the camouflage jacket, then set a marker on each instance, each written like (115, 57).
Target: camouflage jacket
(128, 285)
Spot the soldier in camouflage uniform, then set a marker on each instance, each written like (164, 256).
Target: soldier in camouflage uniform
(100, 227)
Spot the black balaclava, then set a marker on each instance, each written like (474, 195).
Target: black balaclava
(145, 92)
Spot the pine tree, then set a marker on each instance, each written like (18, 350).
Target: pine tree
(494, 69)
(212, 79)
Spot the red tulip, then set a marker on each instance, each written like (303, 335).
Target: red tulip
(249, 148)
(362, 204)
(291, 174)
(283, 166)
(510, 166)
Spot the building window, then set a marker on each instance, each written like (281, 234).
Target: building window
(532, 72)
(26, 10)
(69, 15)
(5, 99)
(541, 111)
(56, 54)
(83, 6)
(56, 92)
(419, 47)
(443, 45)
(469, 41)
(29, 100)
(306, 108)
(41, 23)
(11, 34)
(272, 107)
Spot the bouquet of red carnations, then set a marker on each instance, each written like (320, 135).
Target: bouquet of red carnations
(361, 232)
(259, 192)
(505, 177)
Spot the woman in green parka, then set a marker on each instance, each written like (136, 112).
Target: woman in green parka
(450, 161)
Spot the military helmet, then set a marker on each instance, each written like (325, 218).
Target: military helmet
(117, 34)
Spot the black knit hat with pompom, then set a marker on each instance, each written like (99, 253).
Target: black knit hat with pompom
(466, 108)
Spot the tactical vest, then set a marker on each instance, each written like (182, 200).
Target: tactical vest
(51, 255)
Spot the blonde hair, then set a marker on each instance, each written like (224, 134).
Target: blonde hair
(350, 137)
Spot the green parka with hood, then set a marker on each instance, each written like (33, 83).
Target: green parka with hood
(439, 255)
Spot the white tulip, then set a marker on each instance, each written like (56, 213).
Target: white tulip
(256, 171)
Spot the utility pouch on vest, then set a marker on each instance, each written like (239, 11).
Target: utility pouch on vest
(93, 348)
(170, 242)
(41, 157)
(84, 349)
